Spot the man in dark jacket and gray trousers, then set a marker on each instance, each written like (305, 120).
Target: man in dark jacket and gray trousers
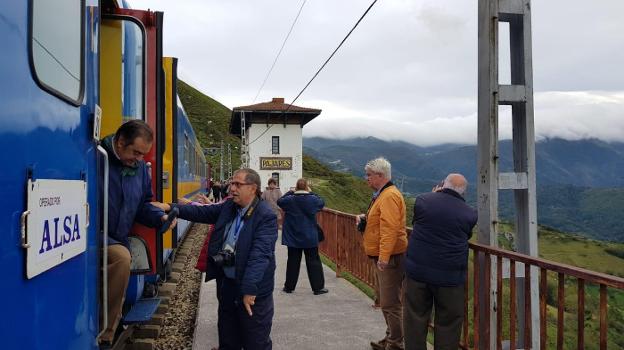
(245, 228)
(435, 265)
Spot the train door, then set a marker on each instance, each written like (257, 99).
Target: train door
(131, 88)
(119, 25)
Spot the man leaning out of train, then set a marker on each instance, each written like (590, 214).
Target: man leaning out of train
(241, 257)
(129, 197)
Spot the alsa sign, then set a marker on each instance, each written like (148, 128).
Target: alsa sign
(57, 224)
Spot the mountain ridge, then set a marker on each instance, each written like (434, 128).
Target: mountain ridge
(575, 179)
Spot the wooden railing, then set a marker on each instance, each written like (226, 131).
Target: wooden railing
(343, 245)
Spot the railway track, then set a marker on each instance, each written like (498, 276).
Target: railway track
(173, 324)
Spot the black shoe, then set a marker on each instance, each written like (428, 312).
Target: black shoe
(286, 290)
(320, 291)
(379, 345)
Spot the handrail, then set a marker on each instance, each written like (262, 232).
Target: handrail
(573, 271)
(104, 242)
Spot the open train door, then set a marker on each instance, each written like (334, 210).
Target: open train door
(150, 24)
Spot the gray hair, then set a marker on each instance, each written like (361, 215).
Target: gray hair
(380, 166)
(456, 182)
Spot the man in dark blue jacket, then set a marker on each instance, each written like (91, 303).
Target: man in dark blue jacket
(129, 197)
(241, 257)
(435, 265)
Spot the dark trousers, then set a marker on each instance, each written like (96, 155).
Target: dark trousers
(238, 330)
(418, 301)
(313, 265)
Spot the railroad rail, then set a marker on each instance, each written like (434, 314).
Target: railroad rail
(173, 323)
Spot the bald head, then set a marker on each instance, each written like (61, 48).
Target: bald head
(456, 182)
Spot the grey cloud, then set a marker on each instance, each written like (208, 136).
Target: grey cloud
(409, 71)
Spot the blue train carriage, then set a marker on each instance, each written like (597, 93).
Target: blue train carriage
(50, 253)
(191, 169)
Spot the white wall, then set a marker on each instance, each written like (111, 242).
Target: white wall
(290, 146)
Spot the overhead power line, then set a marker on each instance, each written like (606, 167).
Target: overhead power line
(279, 52)
(320, 69)
(333, 53)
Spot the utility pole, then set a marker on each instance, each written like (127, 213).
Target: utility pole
(229, 161)
(519, 95)
(244, 143)
(221, 163)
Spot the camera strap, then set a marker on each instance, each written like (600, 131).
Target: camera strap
(252, 207)
(239, 221)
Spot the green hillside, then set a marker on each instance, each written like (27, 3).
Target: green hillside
(579, 184)
(341, 191)
(210, 120)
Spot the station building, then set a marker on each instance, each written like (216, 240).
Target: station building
(272, 140)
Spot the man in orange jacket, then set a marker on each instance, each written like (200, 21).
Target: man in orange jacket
(385, 242)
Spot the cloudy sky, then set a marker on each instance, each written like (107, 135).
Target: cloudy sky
(408, 72)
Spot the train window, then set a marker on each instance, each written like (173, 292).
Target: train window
(132, 71)
(275, 144)
(122, 68)
(56, 47)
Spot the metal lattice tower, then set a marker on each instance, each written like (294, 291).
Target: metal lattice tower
(221, 163)
(244, 143)
(519, 95)
(229, 148)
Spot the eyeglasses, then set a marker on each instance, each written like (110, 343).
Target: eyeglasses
(239, 184)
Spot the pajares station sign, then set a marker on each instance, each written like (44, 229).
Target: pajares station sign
(275, 163)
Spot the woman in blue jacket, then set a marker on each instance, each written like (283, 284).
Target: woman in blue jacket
(300, 235)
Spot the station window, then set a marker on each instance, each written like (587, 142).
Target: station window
(56, 47)
(275, 176)
(275, 146)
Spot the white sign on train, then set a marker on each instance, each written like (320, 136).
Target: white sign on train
(57, 223)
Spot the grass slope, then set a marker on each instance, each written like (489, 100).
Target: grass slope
(340, 191)
(210, 120)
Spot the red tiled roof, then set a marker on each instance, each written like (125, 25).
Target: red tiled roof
(277, 104)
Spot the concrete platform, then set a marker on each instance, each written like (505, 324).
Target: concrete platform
(340, 319)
